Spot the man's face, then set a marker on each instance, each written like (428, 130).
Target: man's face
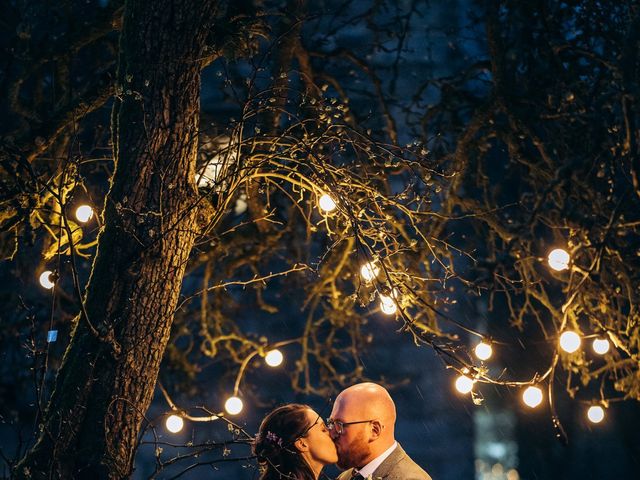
(353, 444)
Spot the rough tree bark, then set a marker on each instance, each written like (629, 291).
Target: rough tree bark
(109, 371)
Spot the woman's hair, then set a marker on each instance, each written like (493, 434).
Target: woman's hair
(275, 447)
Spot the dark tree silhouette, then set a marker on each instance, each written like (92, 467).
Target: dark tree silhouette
(108, 373)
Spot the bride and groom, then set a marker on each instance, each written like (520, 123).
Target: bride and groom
(295, 443)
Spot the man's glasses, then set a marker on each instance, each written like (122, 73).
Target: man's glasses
(338, 426)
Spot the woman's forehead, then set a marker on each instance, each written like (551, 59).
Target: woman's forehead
(314, 418)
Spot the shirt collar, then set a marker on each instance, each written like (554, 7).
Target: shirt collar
(373, 465)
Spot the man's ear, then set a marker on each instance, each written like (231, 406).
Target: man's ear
(376, 428)
(302, 445)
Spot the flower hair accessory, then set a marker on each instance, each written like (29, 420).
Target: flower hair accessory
(273, 438)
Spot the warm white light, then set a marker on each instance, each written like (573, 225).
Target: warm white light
(570, 341)
(212, 174)
(532, 396)
(483, 351)
(327, 203)
(388, 305)
(369, 271)
(209, 177)
(84, 213)
(601, 346)
(513, 474)
(241, 205)
(559, 259)
(233, 405)
(274, 357)
(46, 280)
(464, 384)
(595, 414)
(174, 423)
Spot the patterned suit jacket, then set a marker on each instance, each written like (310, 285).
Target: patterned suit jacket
(397, 466)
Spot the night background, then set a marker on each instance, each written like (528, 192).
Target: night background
(370, 188)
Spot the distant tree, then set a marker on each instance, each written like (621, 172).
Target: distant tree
(545, 152)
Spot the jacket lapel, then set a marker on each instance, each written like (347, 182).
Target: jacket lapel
(389, 463)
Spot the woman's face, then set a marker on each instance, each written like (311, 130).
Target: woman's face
(321, 448)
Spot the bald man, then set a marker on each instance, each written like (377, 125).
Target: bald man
(362, 427)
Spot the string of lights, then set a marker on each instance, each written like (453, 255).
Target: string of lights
(568, 341)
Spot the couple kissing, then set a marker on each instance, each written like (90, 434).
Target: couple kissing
(295, 443)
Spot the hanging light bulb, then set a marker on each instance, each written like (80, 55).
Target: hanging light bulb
(326, 203)
(46, 279)
(559, 259)
(570, 341)
(174, 423)
(483, 350)
(233, 405)
(274, 357)
(532, 396)
(464, 384)
(84, 213)
(601, 346)
(388, 302)
(595, 414)
(369, 271)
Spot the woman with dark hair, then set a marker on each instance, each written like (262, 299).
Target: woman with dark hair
(293, 443)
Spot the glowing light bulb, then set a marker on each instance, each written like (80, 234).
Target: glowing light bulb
(369, 271)
(274, 357)
(595, 414)
(46, 279)
(513, 474)
(483, 350)
(559, 259)
(532, 396)
(174, 423)
(570, 341)
(388, 304)
(233, 405)
(464, 384)
(601, 346)
(84, 213)
(326, 203)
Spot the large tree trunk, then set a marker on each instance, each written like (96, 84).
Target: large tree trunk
(110, 368)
